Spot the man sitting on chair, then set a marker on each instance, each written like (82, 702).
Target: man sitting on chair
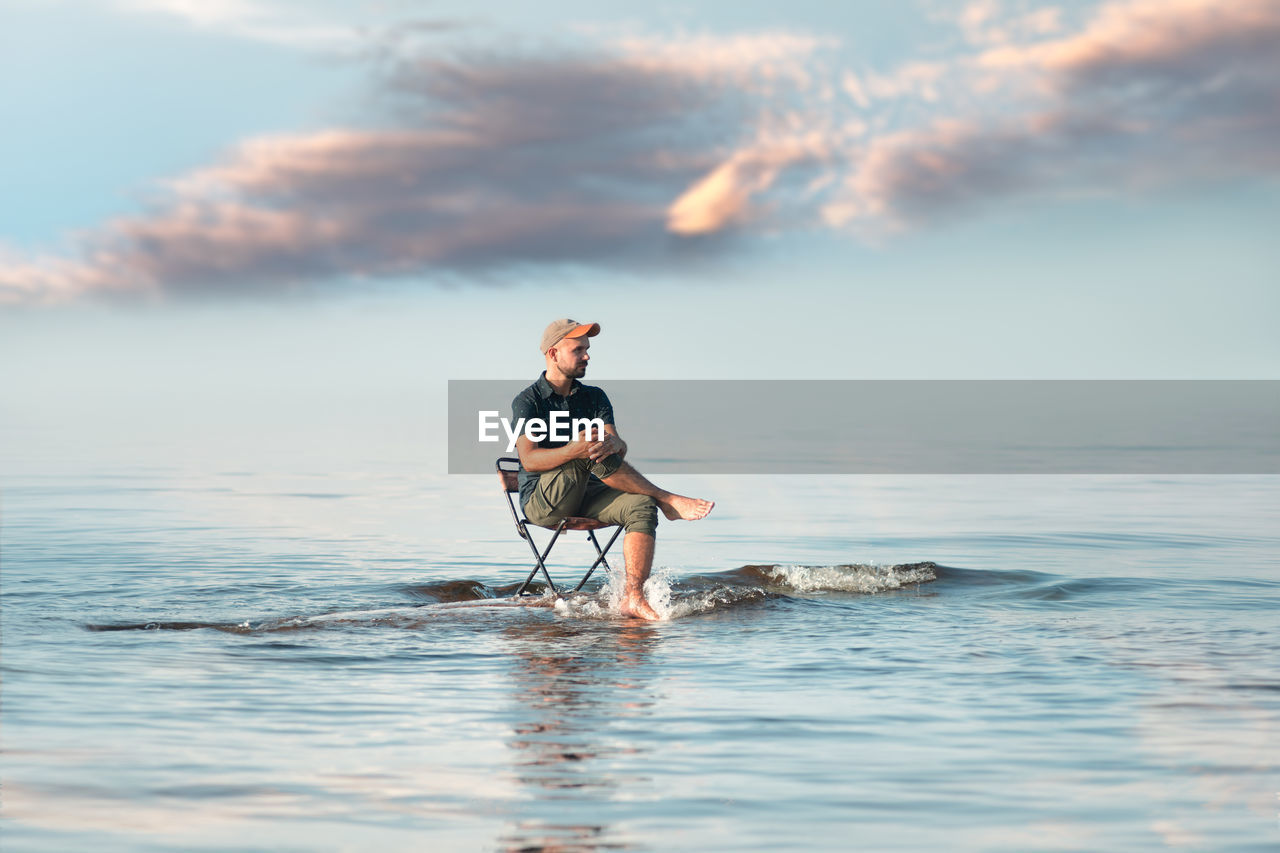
(589, 478)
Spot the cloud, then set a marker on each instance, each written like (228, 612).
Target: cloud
(920, 80)
(624, 149)
(987, 22)
(1146, 94)
(492, 161)
(724, 197)
(277, 22)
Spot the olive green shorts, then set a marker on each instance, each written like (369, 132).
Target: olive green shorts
(570, 490)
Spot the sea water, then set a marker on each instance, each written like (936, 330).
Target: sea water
(205, 657)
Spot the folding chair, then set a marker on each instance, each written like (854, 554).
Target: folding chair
(507, 468)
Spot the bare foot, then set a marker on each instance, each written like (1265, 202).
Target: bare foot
(639, 608)
(679, 507)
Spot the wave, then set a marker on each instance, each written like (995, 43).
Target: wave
(672, 597)
(867, 579)
(675, 598)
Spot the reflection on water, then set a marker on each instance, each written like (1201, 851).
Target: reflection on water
(577, 689)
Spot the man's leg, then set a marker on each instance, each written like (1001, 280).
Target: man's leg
(638, 516)
(674, 507)
(637, 550)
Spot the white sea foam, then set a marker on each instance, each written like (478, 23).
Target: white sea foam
(602, 604)
(606, 603)
(848, 578)
(705, 601)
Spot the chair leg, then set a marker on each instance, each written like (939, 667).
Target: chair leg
(541, 561)
(600, 560)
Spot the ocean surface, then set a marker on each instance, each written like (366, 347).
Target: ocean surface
(205, 657)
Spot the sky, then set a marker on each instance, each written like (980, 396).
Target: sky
(240, 221)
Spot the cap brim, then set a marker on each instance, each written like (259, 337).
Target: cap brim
(586, 330)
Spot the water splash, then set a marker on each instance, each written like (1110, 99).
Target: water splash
(659, 590)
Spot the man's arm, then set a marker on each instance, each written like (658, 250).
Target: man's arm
(537, 459)
(612, 443)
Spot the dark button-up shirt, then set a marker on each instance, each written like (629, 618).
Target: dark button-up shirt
(539, 400)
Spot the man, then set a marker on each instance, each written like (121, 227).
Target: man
(587, 476)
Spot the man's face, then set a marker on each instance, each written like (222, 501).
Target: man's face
(571, 357)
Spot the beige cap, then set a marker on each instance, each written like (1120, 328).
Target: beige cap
(561, 329)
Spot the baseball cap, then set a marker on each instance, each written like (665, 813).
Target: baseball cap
(561, 329)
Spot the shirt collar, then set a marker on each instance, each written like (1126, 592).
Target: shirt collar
(545, 389)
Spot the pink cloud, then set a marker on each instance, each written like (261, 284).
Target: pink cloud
(1147, 93)
(723, 197)
(1151, 37)
(987, 22)
(493, 161)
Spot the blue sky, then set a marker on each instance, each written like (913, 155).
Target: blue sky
(311, 209)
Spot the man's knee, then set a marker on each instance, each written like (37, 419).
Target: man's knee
(639, 514)
(607, 467)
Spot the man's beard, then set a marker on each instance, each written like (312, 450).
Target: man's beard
(573, 372)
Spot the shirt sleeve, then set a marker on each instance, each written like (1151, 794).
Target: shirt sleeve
(523, 406)
(604, 409)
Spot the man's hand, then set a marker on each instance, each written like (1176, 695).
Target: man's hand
(579, 449)
(605, 448)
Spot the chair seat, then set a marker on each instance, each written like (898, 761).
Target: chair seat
(574, 522)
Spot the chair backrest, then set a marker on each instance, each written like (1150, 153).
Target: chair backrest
(507, 468)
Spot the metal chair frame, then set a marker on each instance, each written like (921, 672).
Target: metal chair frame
(510, 486)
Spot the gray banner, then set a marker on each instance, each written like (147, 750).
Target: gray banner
(913, 427)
